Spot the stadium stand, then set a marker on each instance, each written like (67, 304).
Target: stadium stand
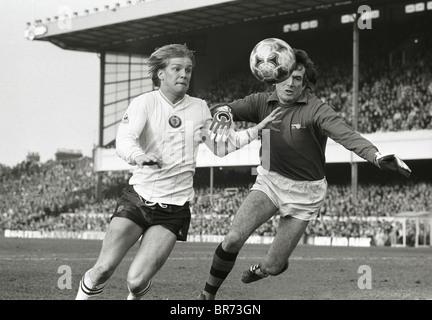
(59, 195)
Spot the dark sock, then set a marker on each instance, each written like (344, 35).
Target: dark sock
(222, 264)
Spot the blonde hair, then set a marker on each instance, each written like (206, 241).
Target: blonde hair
(160, 57)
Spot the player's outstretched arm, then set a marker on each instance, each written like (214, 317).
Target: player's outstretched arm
(391, 162)
(236, 140)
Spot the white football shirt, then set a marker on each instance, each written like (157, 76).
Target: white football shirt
(152, 124)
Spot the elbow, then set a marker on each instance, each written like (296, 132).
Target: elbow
(118, 150)
(120, 153)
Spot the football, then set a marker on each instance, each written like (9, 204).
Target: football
(272, 60)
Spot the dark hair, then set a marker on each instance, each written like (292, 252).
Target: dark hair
(159, 58)
(311, 74)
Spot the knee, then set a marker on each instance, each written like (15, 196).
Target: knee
(134, 284)
(136, 281)
(277, 268)
(233, 242)
(102, 272)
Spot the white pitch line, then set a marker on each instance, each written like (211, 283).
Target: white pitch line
(23, 258)
(18, 258)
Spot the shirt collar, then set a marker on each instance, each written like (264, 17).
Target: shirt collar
(303, 98)
(172, 104)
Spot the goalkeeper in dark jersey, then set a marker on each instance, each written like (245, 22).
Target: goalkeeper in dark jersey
(291, 178)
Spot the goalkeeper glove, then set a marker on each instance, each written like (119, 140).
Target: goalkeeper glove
(391, 162)
(221, 124)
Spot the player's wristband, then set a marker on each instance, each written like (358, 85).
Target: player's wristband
(223, 113)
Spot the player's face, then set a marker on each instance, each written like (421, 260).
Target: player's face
(175, 78)
(290, 90)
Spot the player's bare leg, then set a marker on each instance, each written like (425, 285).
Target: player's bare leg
(289, 233)
(254, 211)
(155, 248)
(121, 235)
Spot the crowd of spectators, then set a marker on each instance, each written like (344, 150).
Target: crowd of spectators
(60, 196)
(390, 98)
(32, 191)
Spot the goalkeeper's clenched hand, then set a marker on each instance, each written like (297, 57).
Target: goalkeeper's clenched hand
(221, 124)
(391, 162)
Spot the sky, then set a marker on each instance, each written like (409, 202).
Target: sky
(49, 97)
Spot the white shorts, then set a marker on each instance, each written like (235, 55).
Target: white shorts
(298, 199)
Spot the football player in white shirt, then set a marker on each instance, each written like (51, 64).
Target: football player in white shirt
(160, 134)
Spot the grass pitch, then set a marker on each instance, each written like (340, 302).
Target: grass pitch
(31, 269)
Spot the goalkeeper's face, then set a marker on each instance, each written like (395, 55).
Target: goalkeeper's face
(290, 90)
(175, 78)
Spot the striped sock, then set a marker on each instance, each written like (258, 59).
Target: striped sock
(139, 295)
(222, 264)
(87, 289)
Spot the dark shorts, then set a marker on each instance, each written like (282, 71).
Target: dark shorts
(174, 218)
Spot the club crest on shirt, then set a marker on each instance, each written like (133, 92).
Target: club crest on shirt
(297, 126)
(174, 121)
(125, 119)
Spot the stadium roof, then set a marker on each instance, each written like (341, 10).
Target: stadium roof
(119, 27)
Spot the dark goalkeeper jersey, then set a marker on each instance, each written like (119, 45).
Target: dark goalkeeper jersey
(298, 150)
